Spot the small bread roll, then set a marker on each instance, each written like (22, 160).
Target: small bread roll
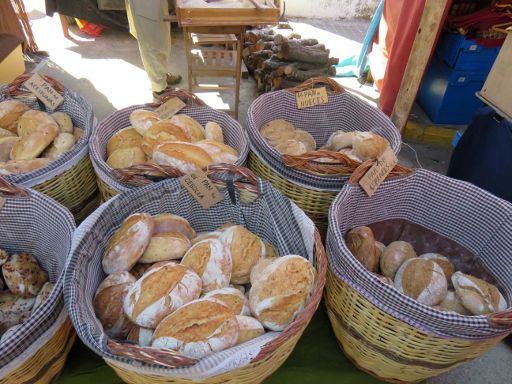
(220, 153)
(259, 267)
(186, 157)
(108, 304)
(368, 145)
(361, 243)
(7, 133)
(478, 296)
(62, 143)
(280, 293)
(423, 280)
(126, 157)
(393, 256)
(33, 121)
(213, 131)
(277, 131)
(161, 132)
(142, 120)
(190, 125)
(78, 133)
(241, 288)
(166, 222)
(23, 275)
(206, 235)
(4, 256)
(250, 328)
(232, 298)
(349, 152)
(43, 295)
(443, 262)
(198, 329)
(64, 121)
(246, 249)
(6, 144)
(10, 113)
(384, 279)
(128, 244)
(212, 262)
(339, 140)
(14, 309)
(291, 147)
(141, 336)
(32, 145)
(380, 246)
(124, 138)
(159, 292)
(452, 303)
(306, 138)
(165, 246)
(22, 166)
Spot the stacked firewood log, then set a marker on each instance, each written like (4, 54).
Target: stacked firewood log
(279, 58)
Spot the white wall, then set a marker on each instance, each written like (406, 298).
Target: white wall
(331, 9)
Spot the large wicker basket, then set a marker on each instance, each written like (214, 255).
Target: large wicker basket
(390, 335)
(70, 179)
(109, 185)
(271, 216)
(312, 185)
(32, 222)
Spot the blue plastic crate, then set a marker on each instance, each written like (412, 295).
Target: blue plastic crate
(448, 95)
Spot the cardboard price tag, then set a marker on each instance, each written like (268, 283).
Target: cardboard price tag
(376, 174)
(170, 108)
(311, 97)
(202, 189)
(44, 91)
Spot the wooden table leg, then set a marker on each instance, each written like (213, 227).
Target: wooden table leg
(65, 25)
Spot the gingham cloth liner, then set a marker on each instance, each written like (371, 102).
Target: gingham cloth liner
(83, 117)
(343, 112)
(290, 230)
(233, 136)
(458, 210)
(44, 228)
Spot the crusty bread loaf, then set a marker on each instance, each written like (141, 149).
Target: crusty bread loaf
(384, 279)
(250, 328)
(259, 267)
(142, 120)
(453, 303)
(126, 157)
(6, 133)
(306, 138)
(43, 295)
(33, 121)
(165, 246)
(78, 133)
(14, 309)
(277, 131)
(361, 242)
(368, 145)
(140, 335)
(6, 144)
(32, 145)
(64, 121)
(167, 222)
(23, 275)
(22, 166)
(124, 138)
(349, 152)
(448, 267)
(159, 292)
(231, 297)
(198, 329)
(478, 296)
(213, 131)
(393, 256)
(291, 147)
(128, 244)
(191, 125)
(62, 143)
(4, 256)
(161, 132)
(139, 269)
(280, 293)
(339, 140)
(186, 157)
(220, 153)
(108, 304)
(206, 235)
(212, 262)
(10, 112)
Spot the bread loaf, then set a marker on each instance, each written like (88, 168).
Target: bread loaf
(361, 243)
(206, 235)
(159, 292)
(22, 166)
(306, 138)
(186, 157)
(189, 124)
(212, 262)
(165, 246)
(213, 131)
(14, 309)
(142, 120)
(139, 269)
(259, 267)
(384, 279)
(198, 329)
(161, 132)
(220, 153)
(6, 144)
(277, 131)
(478, 296)
(141, 336)
(6, 133)
(250, 328)
(166, 222)
(4, 256)
(280, 293)
(23, 275)
(349, 152)
(32, 145)
(128, 244)
(291, 147)
(124, 138)
(10, 112)
(62, 143)
(126, 157)
(443, 262)
(452, 303)
(339, 140)
(33, 121)
(232, 298)
(393, 256)
(368, 145)
(108, 304)
(423, 280)
(43, 295)
(78, 133)
(64, 121)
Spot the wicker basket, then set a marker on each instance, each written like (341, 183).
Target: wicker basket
(290, 230)
(390, 335)
(32, 222)
(70, 179)
(109, 185)
(310, 184)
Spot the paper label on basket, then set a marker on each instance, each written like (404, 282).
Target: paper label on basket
(44, 91)
(311, 97)
(202, 189)
(170, 108)
(2, 201)
(376, 174)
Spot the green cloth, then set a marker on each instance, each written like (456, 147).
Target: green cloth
(316, 359)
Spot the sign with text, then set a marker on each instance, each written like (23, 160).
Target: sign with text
(44, 91)
(202, 189)
(378, 172)
(170, 108)
(311, 97)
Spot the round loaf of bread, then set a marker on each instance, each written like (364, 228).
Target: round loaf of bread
(14, 309)
(277, 131)
(6, 144)
(62, 143)
(198, 329)
(452, 303)
(448, 267)
(233, 298)
(349, 152)
(186, 157)
(246, 249)
(141, 336)
(259, 267)
(250, 328)
(478, 296)
(78, 133)
(6, 133)
(166, 222)
(384, 279)
(205, 236)
(393, 256)
(165, 246)
(160, 291)
(22, 166)
(139, 269)
(220, 153)
(339, 140)
(124, 138)
(64, 121)
(160, 132)
(10, 113)
(213, 131)
(142, 120)
(306, 138)
(43, 294)
(361, 243)
(281, 292)
(23, 275)
(291, 147)
(33, 121)
(211, 261)
(128, 244)
(190, 125)
(126, 157)
(368, 145)
(108, 304)
(423, 280)
(32, 145)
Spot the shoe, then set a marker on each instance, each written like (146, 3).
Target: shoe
(173, 79)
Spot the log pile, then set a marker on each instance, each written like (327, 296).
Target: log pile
(280, 60)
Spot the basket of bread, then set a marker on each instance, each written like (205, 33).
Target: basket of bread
(167, 291)
(308, 153)
(36, 333)
(419, 279)
(48, 150)
(194, 138)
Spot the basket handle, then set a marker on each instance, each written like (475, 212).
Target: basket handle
(184, 95)
(15, 88)
(310, 83)
(10, 189)
(360, 171)
(308, 162)
(501, 319)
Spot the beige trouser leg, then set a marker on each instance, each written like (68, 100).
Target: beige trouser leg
(154, 38)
